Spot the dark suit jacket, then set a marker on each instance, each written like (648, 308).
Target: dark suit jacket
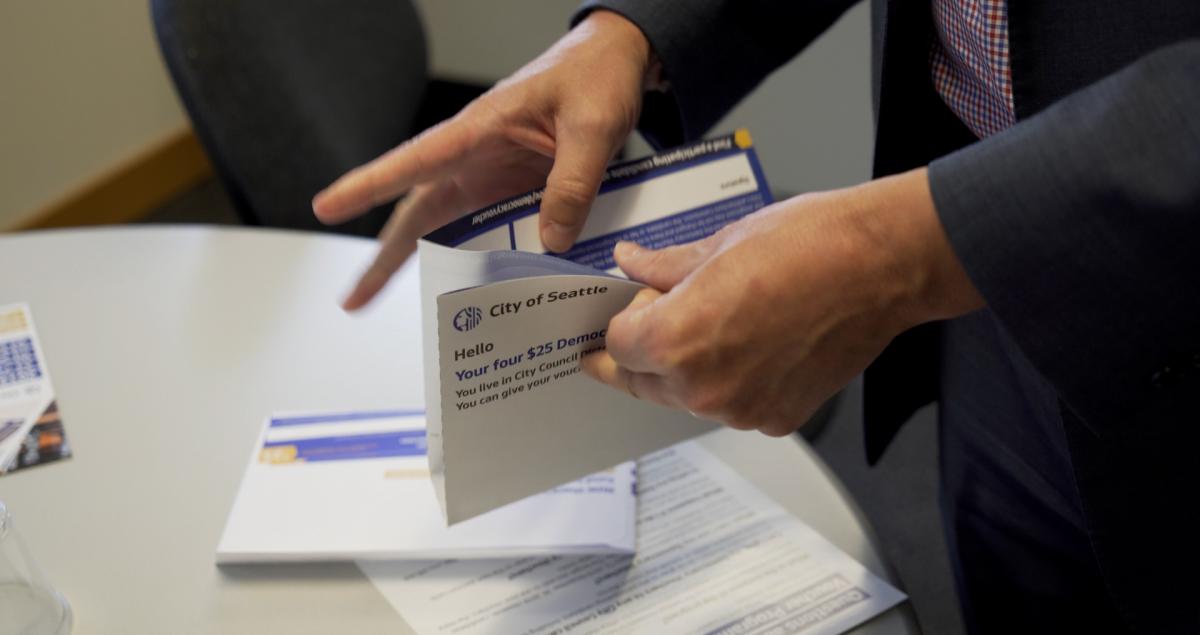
(1080, 226)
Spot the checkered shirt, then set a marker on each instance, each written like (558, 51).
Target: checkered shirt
(969, 63)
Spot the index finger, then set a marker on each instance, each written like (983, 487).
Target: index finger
(425, 157)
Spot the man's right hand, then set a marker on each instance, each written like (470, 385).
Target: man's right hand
(556, 122)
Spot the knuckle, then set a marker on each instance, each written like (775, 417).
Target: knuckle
(573, 193)
(619, 339)
(602, 123)
(659, 345)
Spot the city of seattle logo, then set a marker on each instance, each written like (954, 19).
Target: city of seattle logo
(467, 318)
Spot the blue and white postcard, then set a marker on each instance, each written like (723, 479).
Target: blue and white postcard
(31, 430)
(356, 486)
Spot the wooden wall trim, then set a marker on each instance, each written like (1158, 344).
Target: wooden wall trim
(132, 189)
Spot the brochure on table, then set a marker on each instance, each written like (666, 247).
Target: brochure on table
(505, 327)
(355, 486)
(31, 430)
(715, 556)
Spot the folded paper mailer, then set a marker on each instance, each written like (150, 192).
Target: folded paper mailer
(505, 326)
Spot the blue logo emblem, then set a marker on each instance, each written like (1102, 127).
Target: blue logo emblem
(467, 318)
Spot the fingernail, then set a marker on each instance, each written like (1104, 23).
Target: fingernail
(556, 237)
(626, 249)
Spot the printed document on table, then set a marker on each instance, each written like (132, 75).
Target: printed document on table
(31, 429)
(355, 485)
(505, 327)
(714, 556)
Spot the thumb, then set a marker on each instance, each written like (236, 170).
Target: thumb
(571, 186)
(661, 268)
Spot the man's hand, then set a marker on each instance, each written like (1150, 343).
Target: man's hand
(757, 325)
(558, 122)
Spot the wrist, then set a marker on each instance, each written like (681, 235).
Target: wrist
(901, 221)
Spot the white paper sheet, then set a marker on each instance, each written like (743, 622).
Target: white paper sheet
(714, 556)
(504, 329)
(343, 486)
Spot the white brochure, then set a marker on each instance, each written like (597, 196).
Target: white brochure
(505, 327)
(714, 556)
(355, 485)
(31, 431)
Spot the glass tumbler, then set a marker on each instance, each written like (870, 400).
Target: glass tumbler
(28, 604)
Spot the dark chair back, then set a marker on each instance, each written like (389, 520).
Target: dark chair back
(287, 96)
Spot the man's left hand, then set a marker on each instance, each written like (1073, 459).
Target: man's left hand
(757, 325)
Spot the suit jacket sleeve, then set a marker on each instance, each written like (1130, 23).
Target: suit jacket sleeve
(714, 52)
(1081, 228)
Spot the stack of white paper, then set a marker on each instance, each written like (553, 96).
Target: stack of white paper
(356, 485)
(715, 556)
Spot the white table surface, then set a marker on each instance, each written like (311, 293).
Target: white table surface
(167, 347)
